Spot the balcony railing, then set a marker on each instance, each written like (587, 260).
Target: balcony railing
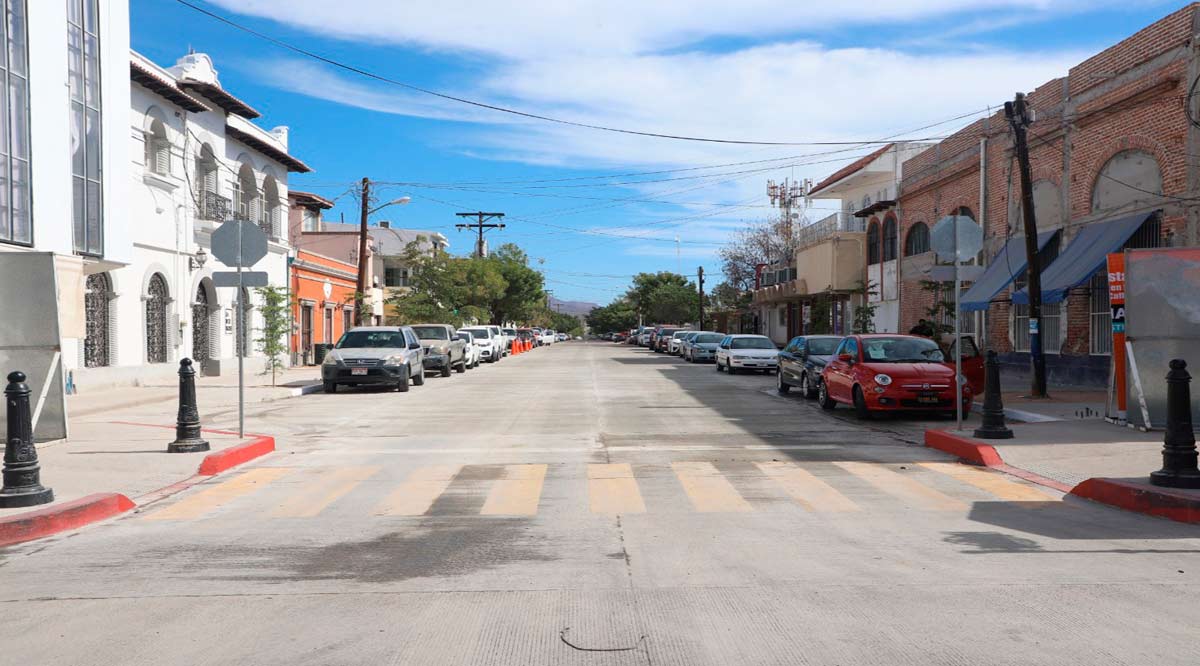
(214, 207)
(822, 229)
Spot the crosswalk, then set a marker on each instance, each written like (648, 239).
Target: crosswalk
(838, 487)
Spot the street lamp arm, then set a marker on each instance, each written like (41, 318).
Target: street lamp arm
(395, 202)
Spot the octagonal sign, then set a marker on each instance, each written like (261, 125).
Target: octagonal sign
(956, 234)
(239, 243)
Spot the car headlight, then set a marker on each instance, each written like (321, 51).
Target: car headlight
(883, 380)
(330, 359)
(394, 360)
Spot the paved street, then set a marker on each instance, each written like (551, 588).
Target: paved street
(599, 504)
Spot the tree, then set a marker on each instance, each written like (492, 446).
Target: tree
(641, 294)
(761, 242)
(674, 303)
(525, 286)
(275, 311)
(616, 316)
(864, 315)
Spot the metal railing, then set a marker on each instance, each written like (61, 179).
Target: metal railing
(214, 207)
(825, 227)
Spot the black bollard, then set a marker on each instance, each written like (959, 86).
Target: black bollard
(992, 426)
(187, 423)
(1179, 442)
(22, 474)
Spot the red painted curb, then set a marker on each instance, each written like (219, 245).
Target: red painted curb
(964, 447)
(1169, 503)
(66, 516)
(215, 463)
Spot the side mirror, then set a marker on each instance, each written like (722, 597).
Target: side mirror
(414, 345)
(845, 357)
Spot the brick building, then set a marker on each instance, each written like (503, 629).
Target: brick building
(1109, 154)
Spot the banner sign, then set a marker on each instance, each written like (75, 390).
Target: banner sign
(1116, 301)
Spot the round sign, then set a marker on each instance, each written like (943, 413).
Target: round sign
(956, 236)
(327, 288)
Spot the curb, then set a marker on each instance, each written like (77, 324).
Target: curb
(963, 447)
(215, 463)
(1023, 416)
(67, 516)
(1142, 498)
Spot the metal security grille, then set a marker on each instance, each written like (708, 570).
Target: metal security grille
(246, 336)
(201, 316)
(97, 293)
(156, 320)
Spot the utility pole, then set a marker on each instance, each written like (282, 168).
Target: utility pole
(1019, 116)
(479, 226)
(361, 287)
(700, 277)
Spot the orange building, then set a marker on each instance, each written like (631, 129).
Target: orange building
(322, 305)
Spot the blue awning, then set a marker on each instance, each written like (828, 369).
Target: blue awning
(1083, 257)
(1006, 266)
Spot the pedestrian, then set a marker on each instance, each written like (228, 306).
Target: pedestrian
(923, 328)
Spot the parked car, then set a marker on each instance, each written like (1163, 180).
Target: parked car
(632, 337)
(618, 337)
(563, 337)
(802, 360)
(684, 340)
(890, 372)
(703, 346)
(645, 335)
(674, 340)
(498, 335)
(972, 360)
(472, 350)
(527, 336)
(488, 344)
(747, 352)
(537, 336)
(510, 336)
(373, 355)
(444, 351)
(548, 336)
(662, 336)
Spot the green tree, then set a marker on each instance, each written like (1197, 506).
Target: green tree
(864, 315)
(671, 302)
(525, 288)
(616, 316)
(273, 344)
(642, 294)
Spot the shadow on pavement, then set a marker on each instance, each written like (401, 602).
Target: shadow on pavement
(1072, 518)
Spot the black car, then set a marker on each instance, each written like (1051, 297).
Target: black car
(802, 360)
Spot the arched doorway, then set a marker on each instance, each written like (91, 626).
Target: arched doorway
(96, 346)
(201, 329)
(157, 298)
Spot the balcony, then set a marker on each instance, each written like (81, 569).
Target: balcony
(841, 221)
(214, 207)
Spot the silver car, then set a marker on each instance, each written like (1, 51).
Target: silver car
(703, 346)
(374, 355)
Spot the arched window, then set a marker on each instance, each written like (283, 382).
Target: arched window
(271, 217)
(202, 313)
(247, 198)
(917, 241)
(889, 239)
(157, 148)
(1127, 177)
(873, 243)
(963, 211)
(97, 299)
(157, 298)
(212, 206)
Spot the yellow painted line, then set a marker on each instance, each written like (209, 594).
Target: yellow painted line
(216, 496)
(902, 487)
(316, 494)
(812, 493)
(992, 482)
(419, 491)
(518, 493)
(709, 491)
(612, 489)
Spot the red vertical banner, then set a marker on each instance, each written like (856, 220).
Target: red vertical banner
(1116, 300)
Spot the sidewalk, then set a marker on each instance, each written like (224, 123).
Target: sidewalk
(116, 457)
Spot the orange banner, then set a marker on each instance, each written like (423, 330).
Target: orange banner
(1116, 301)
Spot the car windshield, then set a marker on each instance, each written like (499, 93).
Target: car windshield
(901, 350)
(509, 331)
(431, 332)
(361, 339)
(480, 332)
(464, 336)
(751, 343)
(822, 346)
(709, 338)
(679, 334)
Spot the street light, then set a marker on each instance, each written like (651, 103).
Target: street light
(394, 202)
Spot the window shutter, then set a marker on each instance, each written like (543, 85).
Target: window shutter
(162, 156)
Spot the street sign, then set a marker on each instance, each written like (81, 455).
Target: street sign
(248, 279)
(239, 243)
(956, 235)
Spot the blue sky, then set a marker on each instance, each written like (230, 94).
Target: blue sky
(752, 70)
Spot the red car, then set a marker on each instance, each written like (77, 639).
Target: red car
(890, 372)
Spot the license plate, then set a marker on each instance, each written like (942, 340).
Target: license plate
(358, 371)
(927, 399)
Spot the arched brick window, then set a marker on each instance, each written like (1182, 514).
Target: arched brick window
(1128, 176)
(917, 241)
(889, 239)
(873, 243)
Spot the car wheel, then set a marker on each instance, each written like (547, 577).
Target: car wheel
(402, 385)
(806, 388)
(329, 387)
(719, 368)
(445, 369)
(419, 378)
(461, 367)
(861, 410)
(823, 398)
(781, 385)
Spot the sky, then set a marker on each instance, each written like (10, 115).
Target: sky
(592, 207)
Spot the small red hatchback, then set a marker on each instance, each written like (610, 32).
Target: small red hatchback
(890, 372)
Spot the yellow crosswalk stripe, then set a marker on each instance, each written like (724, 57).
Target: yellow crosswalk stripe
(517, 493)
(216, 496)
(811, 492)
(902, 487)
(992, 482)
(316, 494)
(709, 491)
(612, 489)
(419, 491)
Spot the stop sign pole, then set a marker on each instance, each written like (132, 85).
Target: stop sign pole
(240, 244)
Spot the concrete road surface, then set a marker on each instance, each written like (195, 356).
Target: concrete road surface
(597, 504)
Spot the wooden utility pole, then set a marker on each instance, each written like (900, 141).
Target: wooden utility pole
(1019, 117)
(479, 225)
(700, 280)
(361, 288)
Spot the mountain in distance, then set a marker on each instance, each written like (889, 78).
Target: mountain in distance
(576, 308)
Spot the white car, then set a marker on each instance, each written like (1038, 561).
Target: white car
(548, 336)
(489, 345)
(747, 352)
(673, 345)
(470, 351)
(503, 340)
